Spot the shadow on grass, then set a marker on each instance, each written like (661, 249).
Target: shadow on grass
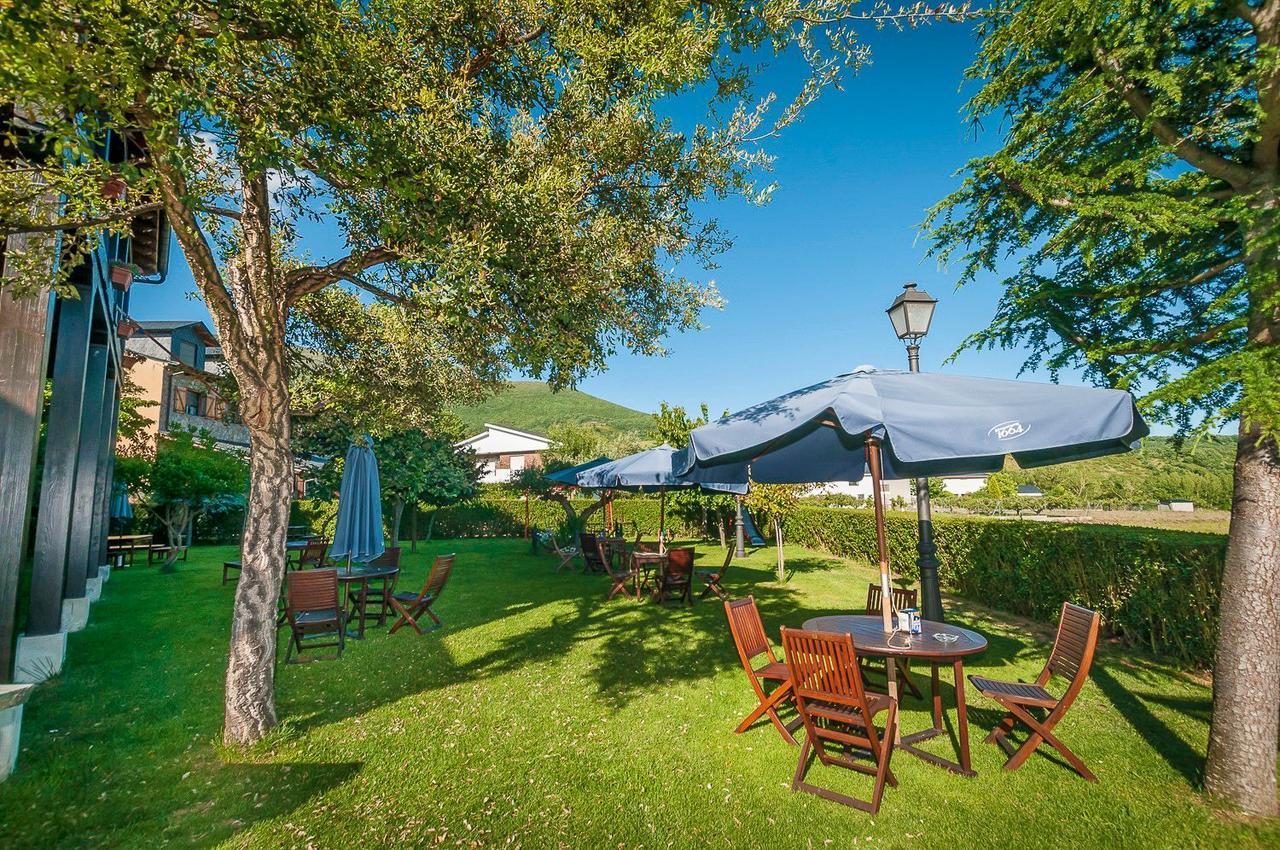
(1166, 742)
(635, 647)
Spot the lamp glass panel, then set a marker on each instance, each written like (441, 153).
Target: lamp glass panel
(898, 315)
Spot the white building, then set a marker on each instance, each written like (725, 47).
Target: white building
(505, 452)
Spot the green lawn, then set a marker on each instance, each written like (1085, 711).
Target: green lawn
(542, 716)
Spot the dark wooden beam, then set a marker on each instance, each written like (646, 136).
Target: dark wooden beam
(81, 549)
(24, 350)
(102, 480)
(62, 448)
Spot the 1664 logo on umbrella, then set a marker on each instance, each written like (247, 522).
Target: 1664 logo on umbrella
(1009, 430)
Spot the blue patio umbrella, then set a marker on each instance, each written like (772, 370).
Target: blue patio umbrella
(569, 477)
(120, 505)
(358, 535)
(652, 469)
(908, 425)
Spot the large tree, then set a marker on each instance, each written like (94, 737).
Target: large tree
(1137, 198)
(497, 170)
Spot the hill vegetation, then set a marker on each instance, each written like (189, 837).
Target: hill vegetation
(532, 406)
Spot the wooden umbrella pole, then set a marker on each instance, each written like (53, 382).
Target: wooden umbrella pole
(877, 499)
(662, 520)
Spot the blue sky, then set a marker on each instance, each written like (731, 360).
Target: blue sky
(811, 273)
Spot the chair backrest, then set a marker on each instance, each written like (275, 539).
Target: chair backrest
(388, 558)
(824, 666)
(313, 552)
(645, 547)
(440, 570)
(1074, 645)
(899, 598)
(680, 561)
(747, 630)
(313, 590)
(590, 546)
(728, 559)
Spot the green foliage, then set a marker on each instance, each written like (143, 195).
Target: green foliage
(535, 406)
(573, 443)
(187, 476)
(672, 424)
(1137, 187)
(1155, 588)
(505, 517)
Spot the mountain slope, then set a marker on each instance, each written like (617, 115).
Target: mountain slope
(532, 406)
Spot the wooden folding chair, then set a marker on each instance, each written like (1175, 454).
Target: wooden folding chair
(312, 611)
(675, 575)
(593, 555)
(620, 571)
(376, 598)
(899, 598)
(313, 554)
(712, 577)
(749, 638)
(1072, 656)
(566, 553)
(411, 606)
(838, 713)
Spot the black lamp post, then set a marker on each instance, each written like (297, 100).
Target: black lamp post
(911, 313)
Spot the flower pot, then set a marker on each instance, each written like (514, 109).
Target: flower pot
(121, 277)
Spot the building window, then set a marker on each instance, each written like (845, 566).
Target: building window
(189, 401)
(187, 352)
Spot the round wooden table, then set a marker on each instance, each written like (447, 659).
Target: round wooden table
(869, 639)
(362, 575)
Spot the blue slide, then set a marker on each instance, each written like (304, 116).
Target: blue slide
(749, 529)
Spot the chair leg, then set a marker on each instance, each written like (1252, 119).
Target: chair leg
(1040, 733)
(406, 619)
(426, 609)
(768, 705)
(1004, 727)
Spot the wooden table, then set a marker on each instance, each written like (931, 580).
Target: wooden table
(362, 575)
(869, 639)
(647, 563)
(121, 545)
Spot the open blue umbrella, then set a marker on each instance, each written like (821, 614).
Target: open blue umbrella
(569, 477)
(908, 425)
(358, 535)
(652, 469)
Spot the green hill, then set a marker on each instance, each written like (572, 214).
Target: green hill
(532, 406)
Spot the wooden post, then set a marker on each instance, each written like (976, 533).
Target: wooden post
(105, 478)
(662, 520)
(81, 545)
(62, 444)
(882, 544)
(24, 358)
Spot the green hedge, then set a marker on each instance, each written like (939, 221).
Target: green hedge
(1154, 587)
(505, 517)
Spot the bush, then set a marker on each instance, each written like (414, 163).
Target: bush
(1154, 587)
(490, 517)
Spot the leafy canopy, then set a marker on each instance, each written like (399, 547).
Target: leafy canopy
(1135, 195)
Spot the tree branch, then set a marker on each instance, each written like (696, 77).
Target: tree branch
(487, 55)
(305, 281)
(14, 229)
(1134, 346)
(374, 289)
(1190, 152)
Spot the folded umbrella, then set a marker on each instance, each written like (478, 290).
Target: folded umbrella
(358, 535)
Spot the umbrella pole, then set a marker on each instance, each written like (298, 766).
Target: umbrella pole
(662, 519)
(877, 499)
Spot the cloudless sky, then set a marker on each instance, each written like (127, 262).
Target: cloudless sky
(810, 275)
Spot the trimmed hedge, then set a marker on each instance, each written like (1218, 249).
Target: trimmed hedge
(505, 517)
(1154, 587)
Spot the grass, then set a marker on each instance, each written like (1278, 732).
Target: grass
(532, 406)
(542, 716)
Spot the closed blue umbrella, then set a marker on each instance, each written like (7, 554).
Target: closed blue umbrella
(358, 535)
(120, 506)
(907, 425)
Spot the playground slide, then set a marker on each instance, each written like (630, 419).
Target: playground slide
(749, 528)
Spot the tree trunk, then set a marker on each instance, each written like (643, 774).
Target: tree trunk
(413, 527)
(431, 524)
(397, 511)
(724, 540)
(1241, 767)
(175, 521)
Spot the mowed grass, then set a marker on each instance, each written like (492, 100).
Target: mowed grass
(543, 716)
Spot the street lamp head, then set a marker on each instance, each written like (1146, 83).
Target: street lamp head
(911, 313)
